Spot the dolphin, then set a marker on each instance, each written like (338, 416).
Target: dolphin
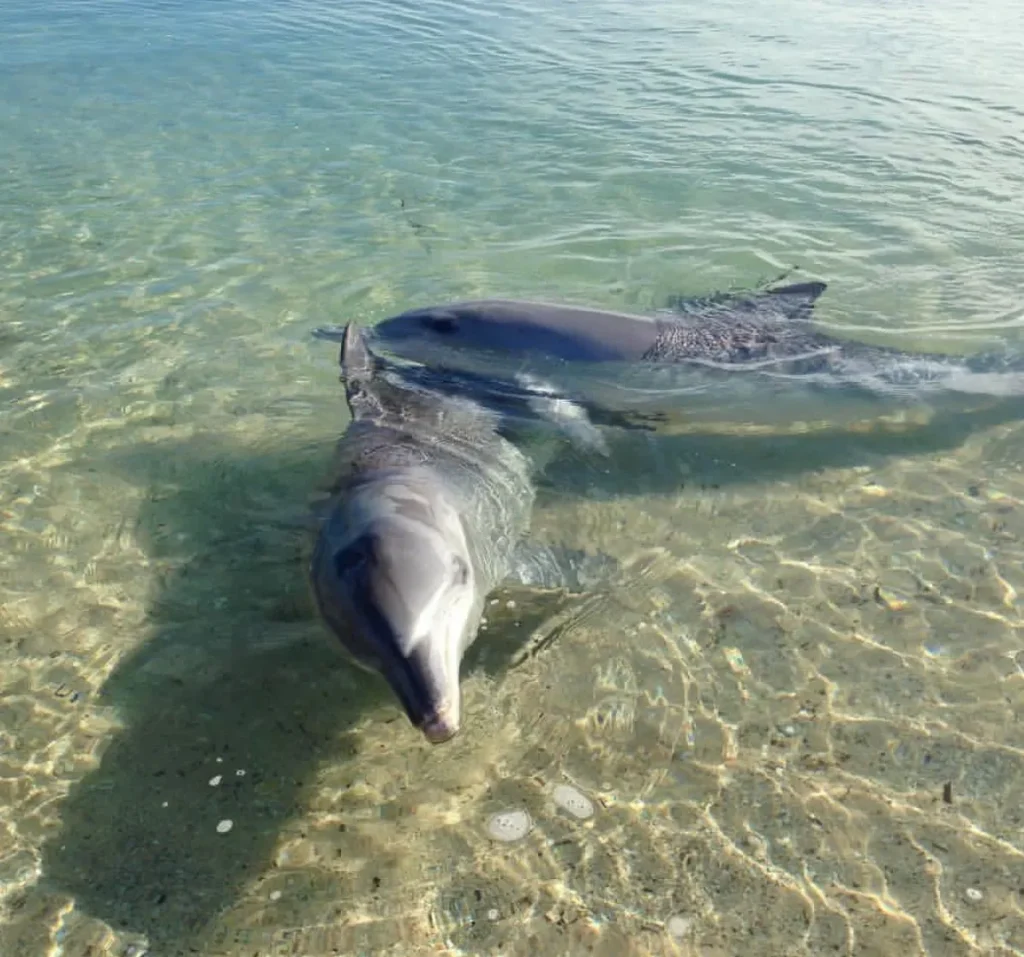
(719, 328)
(754, 357)
(428, 514)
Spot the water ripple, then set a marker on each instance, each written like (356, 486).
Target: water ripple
(765, 714)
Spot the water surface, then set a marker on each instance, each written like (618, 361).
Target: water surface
(797, 716)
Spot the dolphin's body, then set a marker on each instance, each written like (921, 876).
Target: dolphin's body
(763, 326)
(428, 514)
(755, 357)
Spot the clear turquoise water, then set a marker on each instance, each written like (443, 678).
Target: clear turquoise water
(765, 713)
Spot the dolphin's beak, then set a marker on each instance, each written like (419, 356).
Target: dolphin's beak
(442, 726)
(407, 616)
(429, 693)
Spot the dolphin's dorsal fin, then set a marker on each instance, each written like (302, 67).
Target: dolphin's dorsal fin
(804, 290)
(796, 301)
(356, 361)
(359, 368)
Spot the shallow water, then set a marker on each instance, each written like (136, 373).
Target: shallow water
(797, 716)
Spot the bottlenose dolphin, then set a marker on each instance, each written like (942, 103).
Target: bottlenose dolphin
(428, 515)
(721, 329)
(749, 356)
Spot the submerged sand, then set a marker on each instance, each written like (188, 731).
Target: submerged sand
(796, 717)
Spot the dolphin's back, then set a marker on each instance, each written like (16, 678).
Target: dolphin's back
(428, 503)
(764, 327)
(720, 328)
(793, 302)
(400, 427)
(731, 340)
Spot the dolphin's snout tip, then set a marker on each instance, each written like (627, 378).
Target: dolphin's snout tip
(441, 727)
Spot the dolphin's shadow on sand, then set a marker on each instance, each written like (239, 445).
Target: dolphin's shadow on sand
(664, 464)
(224, 682)
(235, 675)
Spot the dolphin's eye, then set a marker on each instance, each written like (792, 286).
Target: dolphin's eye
(349, 558)
(446, 324)
(460, 571)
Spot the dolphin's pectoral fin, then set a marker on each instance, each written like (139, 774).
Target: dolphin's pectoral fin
(535, 605)
(517, 621)
(567, 415)
(579, 422)
(558, 567)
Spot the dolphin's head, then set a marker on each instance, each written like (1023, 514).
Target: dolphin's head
(394, 580)
(454, 326)
(498, 328)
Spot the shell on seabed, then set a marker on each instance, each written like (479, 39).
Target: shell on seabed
(509, 825)
(574, 802)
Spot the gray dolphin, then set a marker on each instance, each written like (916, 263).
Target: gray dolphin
(726, 329)
(427, 516)
(750, 356)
